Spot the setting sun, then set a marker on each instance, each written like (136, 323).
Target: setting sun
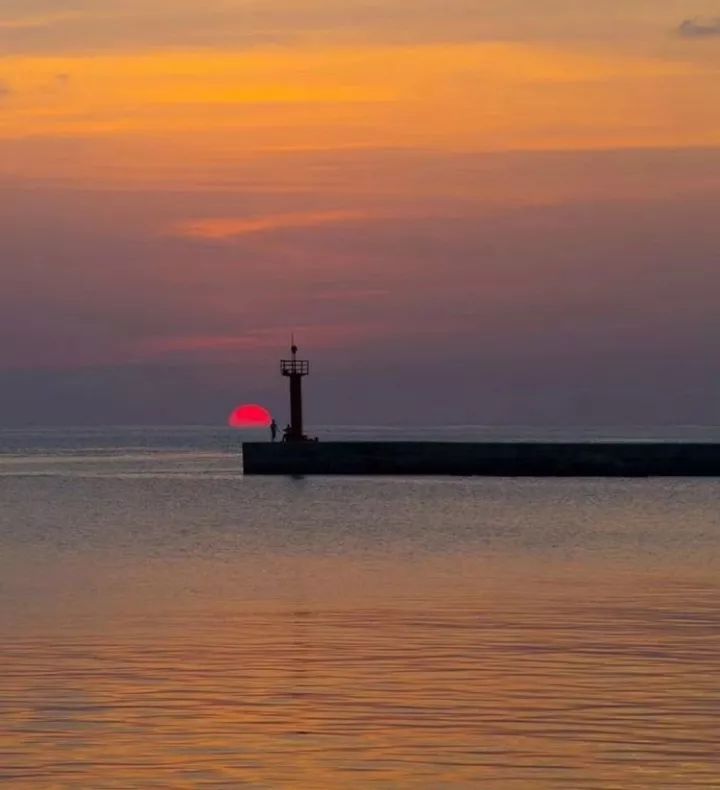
(249, 416)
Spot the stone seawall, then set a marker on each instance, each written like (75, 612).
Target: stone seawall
(501, 459)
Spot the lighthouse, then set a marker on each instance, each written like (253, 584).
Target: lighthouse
(295, 369)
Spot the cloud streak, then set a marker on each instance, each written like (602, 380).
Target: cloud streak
(700, 28)
(226, 228)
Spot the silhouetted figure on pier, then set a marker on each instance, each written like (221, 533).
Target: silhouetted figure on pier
(273, 430)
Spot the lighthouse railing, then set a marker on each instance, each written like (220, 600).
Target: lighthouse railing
(294, 367)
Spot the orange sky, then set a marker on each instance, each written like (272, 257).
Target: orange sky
(182, 171)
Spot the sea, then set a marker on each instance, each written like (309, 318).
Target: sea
(167, 622)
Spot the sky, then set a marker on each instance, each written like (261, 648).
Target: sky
(475, 211)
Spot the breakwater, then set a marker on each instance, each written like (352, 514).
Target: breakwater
(497, 459)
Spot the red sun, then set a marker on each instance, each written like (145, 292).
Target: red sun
(250, 416)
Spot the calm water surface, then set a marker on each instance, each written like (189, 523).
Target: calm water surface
(167, 623)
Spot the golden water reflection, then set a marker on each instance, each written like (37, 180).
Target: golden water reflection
(355, 670)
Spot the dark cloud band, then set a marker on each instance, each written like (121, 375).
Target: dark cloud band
(699, 28)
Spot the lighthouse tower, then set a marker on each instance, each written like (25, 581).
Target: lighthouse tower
(295, 369)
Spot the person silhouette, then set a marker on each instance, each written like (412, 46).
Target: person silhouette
(273, 430)
(286, 433)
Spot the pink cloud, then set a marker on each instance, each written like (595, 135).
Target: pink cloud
(223, 228)
(266, 341)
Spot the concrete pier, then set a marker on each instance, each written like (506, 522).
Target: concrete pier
(499, 459)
